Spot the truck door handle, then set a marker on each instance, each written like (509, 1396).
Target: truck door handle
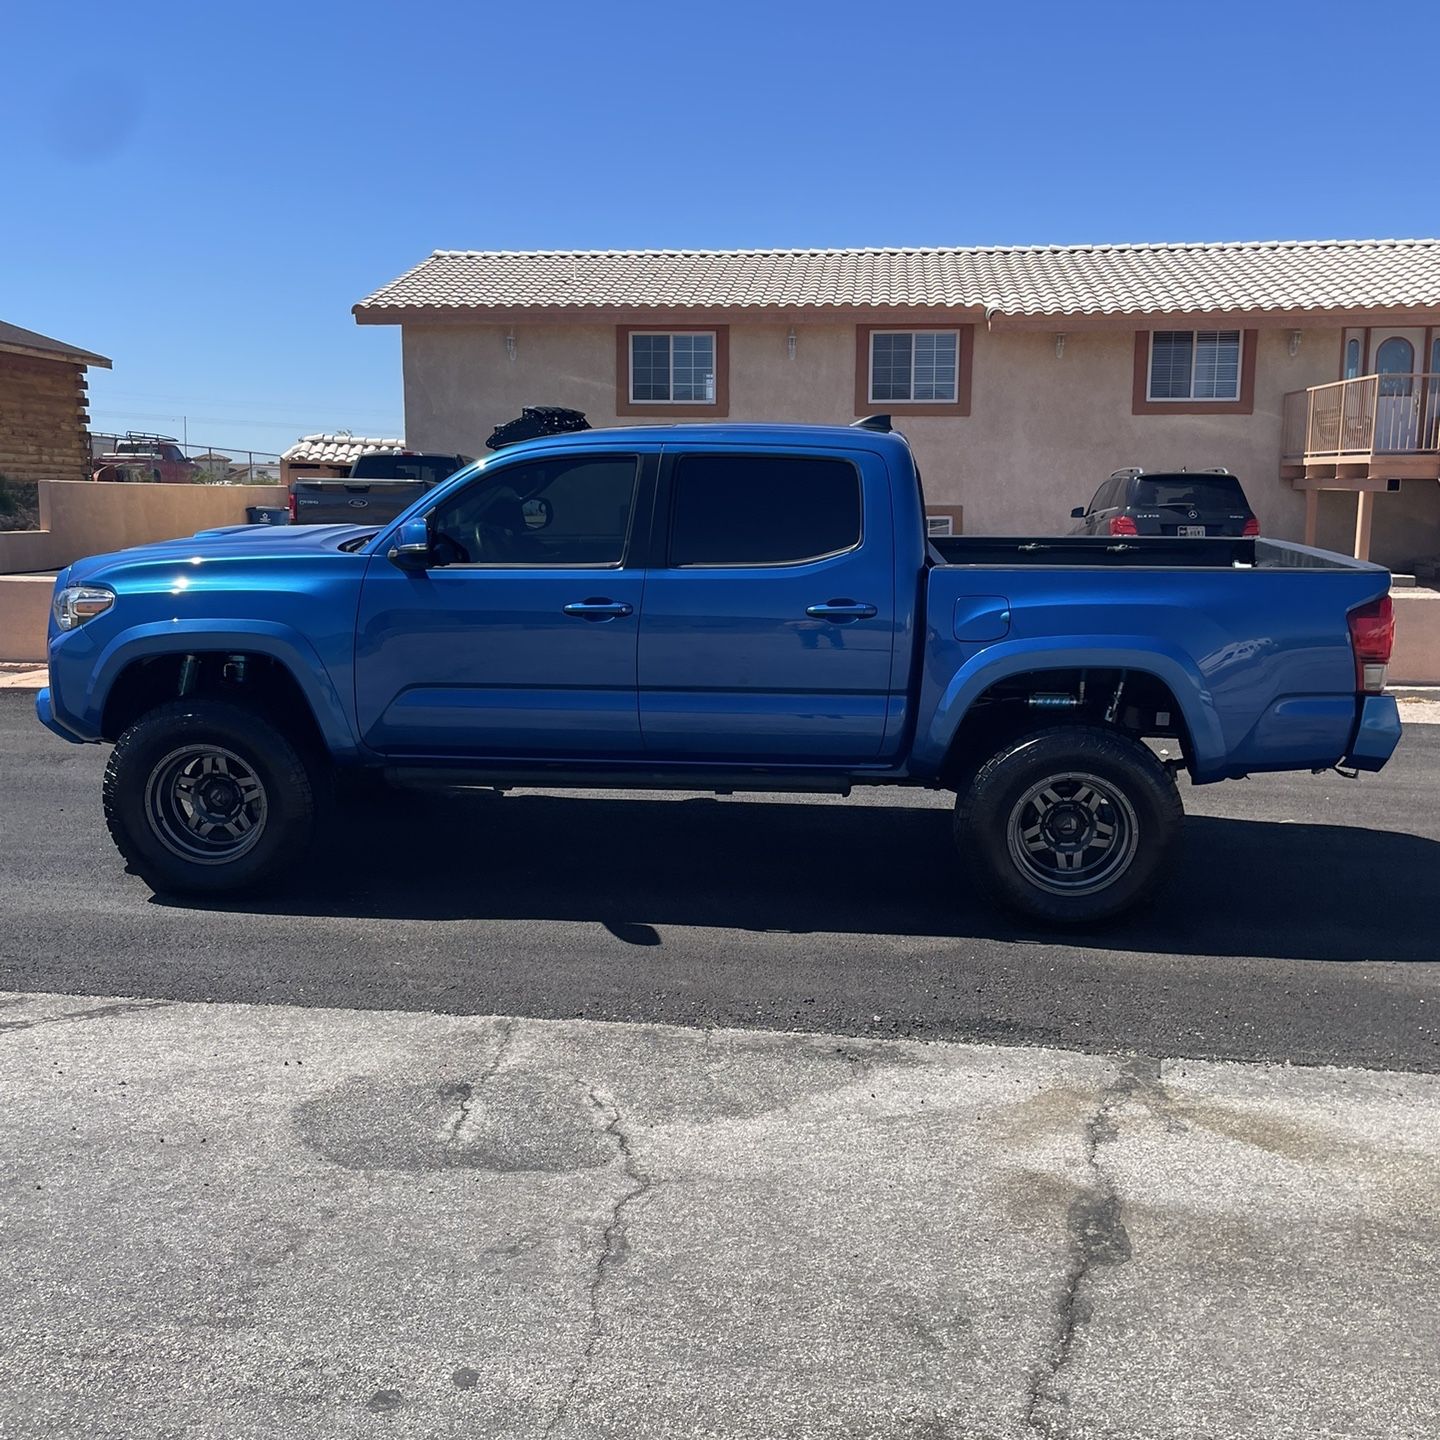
(598, 609)
(841, 610)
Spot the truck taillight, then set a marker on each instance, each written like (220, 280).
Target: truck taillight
(1252, 527)
(294, 509)
(1122, 525)
(1372, 637)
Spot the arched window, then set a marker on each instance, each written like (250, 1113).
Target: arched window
(1396, 359)
(1352, 359)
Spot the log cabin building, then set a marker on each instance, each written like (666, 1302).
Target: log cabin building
(44, 409)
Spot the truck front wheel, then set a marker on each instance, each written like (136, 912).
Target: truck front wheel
(204, 798)
(1069, 826)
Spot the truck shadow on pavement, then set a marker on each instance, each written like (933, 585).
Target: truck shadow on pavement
(1242, 888)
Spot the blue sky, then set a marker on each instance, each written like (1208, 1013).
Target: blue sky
(201, 192)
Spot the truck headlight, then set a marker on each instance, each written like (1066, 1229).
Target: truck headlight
(76, 604)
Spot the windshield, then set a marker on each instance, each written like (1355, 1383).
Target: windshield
(1195, 492)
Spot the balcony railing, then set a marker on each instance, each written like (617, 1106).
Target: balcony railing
(1354, 421)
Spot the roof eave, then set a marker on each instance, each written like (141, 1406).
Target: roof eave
(996, 319)
(647, 314)
(65, 357)
(1254, 319)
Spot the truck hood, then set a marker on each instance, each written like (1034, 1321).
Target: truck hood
(233, 542)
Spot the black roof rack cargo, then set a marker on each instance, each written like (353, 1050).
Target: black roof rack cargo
(535, 421)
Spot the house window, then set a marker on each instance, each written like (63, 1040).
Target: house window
(1194, 365)
(672, 368)
(914, 366)
(1352, 359)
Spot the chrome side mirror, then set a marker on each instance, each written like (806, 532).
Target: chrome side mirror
(410, 549)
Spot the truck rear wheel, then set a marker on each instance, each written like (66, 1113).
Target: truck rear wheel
(1070, 826)
(206, 798)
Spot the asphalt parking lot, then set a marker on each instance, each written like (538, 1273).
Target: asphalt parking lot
(1304, 925)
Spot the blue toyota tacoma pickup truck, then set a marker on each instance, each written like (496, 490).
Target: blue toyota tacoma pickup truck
(718, 608)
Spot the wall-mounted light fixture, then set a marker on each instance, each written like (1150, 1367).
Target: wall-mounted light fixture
(790, 343)
(510, 345)
(1059, 344)
(1294, 341)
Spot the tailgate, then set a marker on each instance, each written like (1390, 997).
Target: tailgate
(352, 502)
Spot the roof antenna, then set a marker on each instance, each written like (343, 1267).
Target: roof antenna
(880, 423)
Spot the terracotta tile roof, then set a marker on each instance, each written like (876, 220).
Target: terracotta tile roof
(1040, 280)
(18, 341)
(339, 449)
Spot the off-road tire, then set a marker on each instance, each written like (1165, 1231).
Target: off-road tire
(1141, 806)
(147, 753)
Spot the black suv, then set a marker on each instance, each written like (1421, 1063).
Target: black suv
(1180, 502)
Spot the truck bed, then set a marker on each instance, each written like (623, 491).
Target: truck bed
(1249, 636)
(1146, 552)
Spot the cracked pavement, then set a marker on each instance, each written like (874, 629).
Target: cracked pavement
(246, 1221)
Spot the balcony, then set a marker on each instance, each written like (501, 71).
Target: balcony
(1359, 434)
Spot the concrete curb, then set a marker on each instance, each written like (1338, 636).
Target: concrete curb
(14, 677)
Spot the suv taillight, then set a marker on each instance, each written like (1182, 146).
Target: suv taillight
(1252, 527)
(1122, 525)
(1372, 636)
(294, 508)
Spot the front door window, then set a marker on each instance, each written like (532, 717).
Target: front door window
(1397, 410)
(1395, 362)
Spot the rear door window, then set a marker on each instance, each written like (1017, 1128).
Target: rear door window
(762, 509)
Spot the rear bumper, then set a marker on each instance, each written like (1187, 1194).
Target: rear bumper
(1376, 735)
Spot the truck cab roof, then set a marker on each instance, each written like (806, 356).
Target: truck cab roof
(848, 437)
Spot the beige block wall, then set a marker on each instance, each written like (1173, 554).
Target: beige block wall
(24, 616)
(1042, 434)
(88, 517)
(1416, 657)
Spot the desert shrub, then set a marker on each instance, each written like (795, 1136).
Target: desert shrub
(19, 504)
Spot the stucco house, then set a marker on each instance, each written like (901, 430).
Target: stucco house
(44, 409)
(1022, 376)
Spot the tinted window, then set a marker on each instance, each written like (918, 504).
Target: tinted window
(553, 512)
(761, 510)
(428, 469)
(1198, 492)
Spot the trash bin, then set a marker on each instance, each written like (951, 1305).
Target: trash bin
(267, 514)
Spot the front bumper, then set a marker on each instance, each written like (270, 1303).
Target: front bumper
(45, 711)
(1376, 735)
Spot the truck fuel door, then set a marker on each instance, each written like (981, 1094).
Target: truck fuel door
(980, 618)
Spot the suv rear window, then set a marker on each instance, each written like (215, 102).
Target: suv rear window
(762, 509)
(1198, 492)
